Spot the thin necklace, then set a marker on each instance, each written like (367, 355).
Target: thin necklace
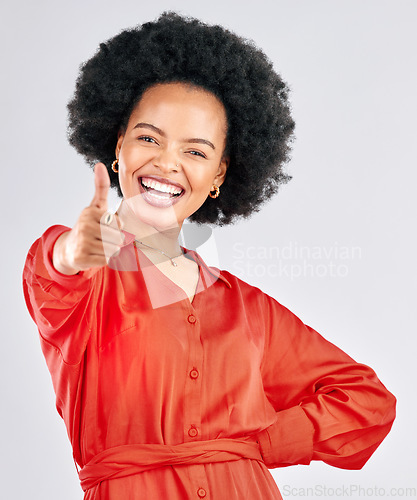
(163, 253)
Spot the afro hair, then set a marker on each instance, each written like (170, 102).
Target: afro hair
(180, 49)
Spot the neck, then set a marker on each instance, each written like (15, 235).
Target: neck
(160, 238)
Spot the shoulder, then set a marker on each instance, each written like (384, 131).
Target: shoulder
(270, 307)
(249, 292)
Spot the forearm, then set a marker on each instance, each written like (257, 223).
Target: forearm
(342, 424)
(329, 407)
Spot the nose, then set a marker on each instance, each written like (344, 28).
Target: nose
(167, 161)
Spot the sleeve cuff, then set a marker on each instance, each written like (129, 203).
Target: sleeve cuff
(49, 238)
(289, 441)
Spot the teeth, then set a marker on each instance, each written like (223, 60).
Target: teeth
(158, 196)
(158, 186)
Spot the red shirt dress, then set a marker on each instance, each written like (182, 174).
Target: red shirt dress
(167, 398)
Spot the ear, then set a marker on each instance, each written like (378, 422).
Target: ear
(221, 171)
(120, 138)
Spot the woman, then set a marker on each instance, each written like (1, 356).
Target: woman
(174, 379)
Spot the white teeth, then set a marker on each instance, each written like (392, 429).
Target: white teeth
(158, 186)
(158, 197)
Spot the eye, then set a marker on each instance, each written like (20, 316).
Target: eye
(197, 153)
(147, 138)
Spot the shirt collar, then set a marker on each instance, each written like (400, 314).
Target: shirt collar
(130, 238)
(212, 270)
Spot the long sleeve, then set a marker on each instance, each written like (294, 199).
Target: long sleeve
(329, 407)
(63, 309)
(57, 303)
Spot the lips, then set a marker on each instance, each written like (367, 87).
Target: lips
(160, 192)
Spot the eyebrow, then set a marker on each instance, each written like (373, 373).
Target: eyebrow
(160, 132)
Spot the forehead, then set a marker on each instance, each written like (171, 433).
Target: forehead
(181, 105)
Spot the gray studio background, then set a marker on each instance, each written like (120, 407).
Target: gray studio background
(337, 246)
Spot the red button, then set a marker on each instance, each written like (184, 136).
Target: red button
(194, 373)
(201, 492)
(192, 318)
(192, 432)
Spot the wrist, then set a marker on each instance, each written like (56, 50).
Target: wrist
(59, 259)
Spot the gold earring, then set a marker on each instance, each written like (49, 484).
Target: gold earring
(216, 191)
(113, 166)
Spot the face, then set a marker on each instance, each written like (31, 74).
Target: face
(171, 153)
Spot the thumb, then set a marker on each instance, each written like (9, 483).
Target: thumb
(102, 185)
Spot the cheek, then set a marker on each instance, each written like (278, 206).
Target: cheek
(202, 175)
(133, 156)
(128, 184)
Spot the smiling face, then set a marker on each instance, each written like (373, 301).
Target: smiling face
(171, 153)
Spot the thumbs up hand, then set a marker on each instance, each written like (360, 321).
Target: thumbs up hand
(95, 237)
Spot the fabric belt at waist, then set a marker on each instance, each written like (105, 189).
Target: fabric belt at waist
(126, 460)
